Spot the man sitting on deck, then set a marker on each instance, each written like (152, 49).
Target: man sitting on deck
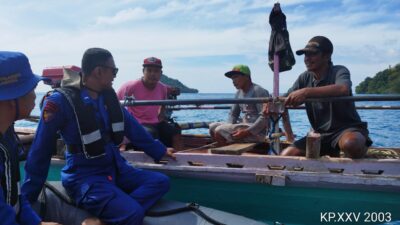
(152, 117)
(17, 100)
(92, 123)
(254, 125)
(338, 123)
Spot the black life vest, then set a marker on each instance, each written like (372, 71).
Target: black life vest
(10, 177)
(92, 140)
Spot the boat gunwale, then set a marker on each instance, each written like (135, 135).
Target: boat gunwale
(389, 167)
(285, 177)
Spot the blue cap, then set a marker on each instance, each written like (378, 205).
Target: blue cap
(16, 77)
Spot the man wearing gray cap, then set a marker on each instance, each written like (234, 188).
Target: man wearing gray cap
(338, 123)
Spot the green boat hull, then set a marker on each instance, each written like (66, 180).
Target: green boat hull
(288, 205)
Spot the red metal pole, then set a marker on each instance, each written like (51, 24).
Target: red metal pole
(276, 76)
(276, 141)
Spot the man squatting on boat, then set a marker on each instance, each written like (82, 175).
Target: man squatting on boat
(338, 123)
(254, 125)
(92, 124)
(17, 100)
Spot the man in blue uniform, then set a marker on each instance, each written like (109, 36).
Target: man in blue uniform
(92, 124)
(17, 99)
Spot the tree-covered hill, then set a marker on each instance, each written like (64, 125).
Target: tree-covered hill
(384, 82)
(176, 83)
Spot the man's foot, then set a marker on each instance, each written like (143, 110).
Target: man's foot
(92, 221)
(122, 147)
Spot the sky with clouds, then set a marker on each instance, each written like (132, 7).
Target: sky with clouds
(199, 40)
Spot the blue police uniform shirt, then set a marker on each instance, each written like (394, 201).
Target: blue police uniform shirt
(7, 214)
(78, 169)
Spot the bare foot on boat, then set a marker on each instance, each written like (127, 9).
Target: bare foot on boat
(122, 147)
(92, 221)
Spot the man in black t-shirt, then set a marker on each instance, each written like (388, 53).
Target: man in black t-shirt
(338, 123)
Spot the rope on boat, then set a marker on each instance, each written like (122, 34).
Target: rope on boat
(274, 121)
(58, 193)
(194, 207)
(198, 148)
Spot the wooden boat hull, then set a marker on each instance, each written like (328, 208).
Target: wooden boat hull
(273, 188)
(257, 167)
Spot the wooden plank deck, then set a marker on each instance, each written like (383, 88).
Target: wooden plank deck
(233, 149)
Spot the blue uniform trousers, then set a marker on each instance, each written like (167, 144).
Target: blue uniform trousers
(125, 200)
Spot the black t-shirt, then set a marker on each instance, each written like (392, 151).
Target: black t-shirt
(329, 117)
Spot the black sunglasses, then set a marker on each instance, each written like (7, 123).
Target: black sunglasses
(114, 69)
(311, 54)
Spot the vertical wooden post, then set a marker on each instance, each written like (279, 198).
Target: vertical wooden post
(275, 94)
(313, 145)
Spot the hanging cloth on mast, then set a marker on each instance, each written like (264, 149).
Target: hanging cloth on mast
(279, 41)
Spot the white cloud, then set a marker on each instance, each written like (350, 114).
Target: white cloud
(123, 16)
(181, 32)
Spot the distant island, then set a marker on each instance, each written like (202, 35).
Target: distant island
(384, 82)
(176, 83)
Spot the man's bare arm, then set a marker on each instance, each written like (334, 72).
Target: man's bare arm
(299, 96)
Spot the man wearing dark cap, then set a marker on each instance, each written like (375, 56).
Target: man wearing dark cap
(338, 123)
(253, 126)
(17, 100)
(152, 117)
(92, 124)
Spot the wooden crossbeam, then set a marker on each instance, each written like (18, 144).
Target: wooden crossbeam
(233, 149)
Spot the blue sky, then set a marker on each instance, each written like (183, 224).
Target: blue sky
(199, 40)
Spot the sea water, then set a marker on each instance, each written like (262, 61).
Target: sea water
(384, 125)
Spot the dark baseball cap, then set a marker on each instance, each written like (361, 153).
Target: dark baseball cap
(152, 61)
(317, 44)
